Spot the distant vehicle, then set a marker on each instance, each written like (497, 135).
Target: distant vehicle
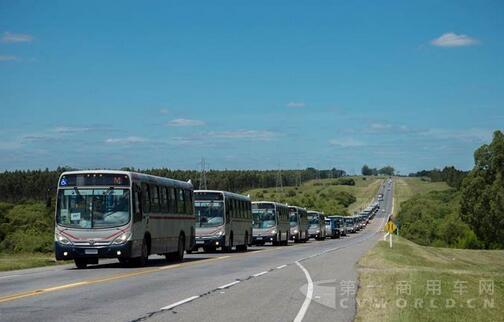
(380, 197)
(223, 219)
(123, 215)
(332, 227)
(351, 224)
(298, 218)
(316, 229)
(341, 225)
(270, 223)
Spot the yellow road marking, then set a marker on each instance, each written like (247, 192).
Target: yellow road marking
(16, 296)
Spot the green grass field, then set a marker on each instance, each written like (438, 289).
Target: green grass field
(386, 273)
(405, 188)
(364, 190)
(9, 262)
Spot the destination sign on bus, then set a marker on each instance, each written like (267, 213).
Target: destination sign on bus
(94, 179)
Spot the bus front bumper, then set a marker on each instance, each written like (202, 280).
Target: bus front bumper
(209, 242)
(263, 239)
(64, 252)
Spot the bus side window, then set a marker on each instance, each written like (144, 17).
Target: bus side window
(137, 205)
(145, 198)
(180, 201)
(188, 202)
(228, 211)
(154, 198)
(163, 199)
(172, 201)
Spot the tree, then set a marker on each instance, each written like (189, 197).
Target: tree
(366, 170)
(482, 205)
(387, 171)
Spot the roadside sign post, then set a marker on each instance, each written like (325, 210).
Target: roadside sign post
(390, 227)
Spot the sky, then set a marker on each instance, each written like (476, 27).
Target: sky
(249, 84)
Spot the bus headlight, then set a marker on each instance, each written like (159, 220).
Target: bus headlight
(218, 233)
(318, 231)
(273, 231)
(122, 238)
(61, 239)
(296, 231)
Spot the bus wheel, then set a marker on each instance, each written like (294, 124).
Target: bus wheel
(229, 248)
(81, 263)
(144, 257)
(179, 254)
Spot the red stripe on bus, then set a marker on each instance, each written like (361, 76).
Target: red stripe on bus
(69, 235)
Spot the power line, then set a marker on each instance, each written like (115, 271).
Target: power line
(203, 177)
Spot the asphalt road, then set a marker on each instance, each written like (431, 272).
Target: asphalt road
(301, 282)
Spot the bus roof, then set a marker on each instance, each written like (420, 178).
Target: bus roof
(270, 202)
(226, 194)
(297, 207)
(135, 176)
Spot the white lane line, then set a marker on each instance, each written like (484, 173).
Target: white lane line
(259, 274)
(8, 276)
(280, 267)
(171, 306)
(309, 295)
(228, 285)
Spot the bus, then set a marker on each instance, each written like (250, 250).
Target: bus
(351, 224)
(223, 220)
(316, 229)
(271, 223)
(298, 218)
(123, 215)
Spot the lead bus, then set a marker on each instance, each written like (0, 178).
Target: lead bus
(298, 218)
(123, 215)
(223, 220)
(271, 223)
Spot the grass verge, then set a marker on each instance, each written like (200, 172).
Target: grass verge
(9, 262)
(387, 274)
(405, 188)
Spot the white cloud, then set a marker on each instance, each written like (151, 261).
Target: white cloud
(472, 135)
(451, 39)
(7, 58)
(296, 105)
(126, 141)
(346, 142)
(9, 37)
(243, 134)
(185, 122)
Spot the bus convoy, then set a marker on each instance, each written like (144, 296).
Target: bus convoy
(129, 216)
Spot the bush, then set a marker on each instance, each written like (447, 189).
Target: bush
(26, 227)
(291, 193)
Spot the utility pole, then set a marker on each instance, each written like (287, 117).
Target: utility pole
(298, 176)
(203, 178)
(279, 183)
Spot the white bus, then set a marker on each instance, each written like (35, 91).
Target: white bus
(316, 229)
(223, 219)
(271, 223)
(298, 219)
(124, 215)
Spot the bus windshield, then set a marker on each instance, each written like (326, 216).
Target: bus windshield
(264, 218)
(349, 221)
(209, 213)
(93, 208)
(313, 220)
(293, 218)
